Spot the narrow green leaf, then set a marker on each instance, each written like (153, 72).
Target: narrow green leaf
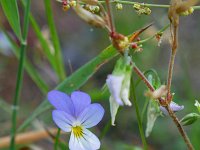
(54, 37)
(10, 9)
(75, 81)
(133, 96)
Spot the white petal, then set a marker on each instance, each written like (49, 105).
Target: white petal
(114, 83)
(197, 104)
(113, 109)
(125, 94)
(89, 141)
(126, 87)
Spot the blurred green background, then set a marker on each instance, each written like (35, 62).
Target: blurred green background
(81, 42)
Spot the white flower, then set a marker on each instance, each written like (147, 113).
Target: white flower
(119, 86)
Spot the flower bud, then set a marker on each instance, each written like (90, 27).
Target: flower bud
(190, 119)
(197, 104)
(119, 6)
(89, 17)
(119, 85)
(187, 12)
(72, 3)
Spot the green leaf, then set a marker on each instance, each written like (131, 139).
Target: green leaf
(10, 9)
(75, 81)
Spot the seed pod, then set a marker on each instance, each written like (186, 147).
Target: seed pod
(89, 17)
(190, 119)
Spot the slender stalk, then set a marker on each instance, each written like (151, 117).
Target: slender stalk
(133, 95)
(143, 4)
(57, 139)
(19, 75)
(171, 62)
(110, 21)
(180, 128)
(151, 37)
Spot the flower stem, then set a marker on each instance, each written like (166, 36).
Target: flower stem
(171, 61)
(57, 139)
(133, 95)
(145, 4)
(19, 75)
(180, 128)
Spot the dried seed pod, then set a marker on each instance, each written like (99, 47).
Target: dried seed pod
(161, 91)
(89, 17)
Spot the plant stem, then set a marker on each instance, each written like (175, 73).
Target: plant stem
(151, 37)
(171, 62)
(19, 75)
(57, 139)
(162, 102)
(144, 4)
(180, 128)
(133, 95)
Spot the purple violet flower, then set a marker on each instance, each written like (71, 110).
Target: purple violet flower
(76, 114)
(174, 107)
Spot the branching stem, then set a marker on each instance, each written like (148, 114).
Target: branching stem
(163, 102)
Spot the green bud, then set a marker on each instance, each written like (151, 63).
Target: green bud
(72, 3)
(137, 6)
(119, 6)
(190, 119)
(197, 104)
(187, 12)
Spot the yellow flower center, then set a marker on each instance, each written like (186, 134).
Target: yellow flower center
(78, 131)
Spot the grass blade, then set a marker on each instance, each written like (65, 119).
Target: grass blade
(10, 9)
(133, 95)
(54, 37)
